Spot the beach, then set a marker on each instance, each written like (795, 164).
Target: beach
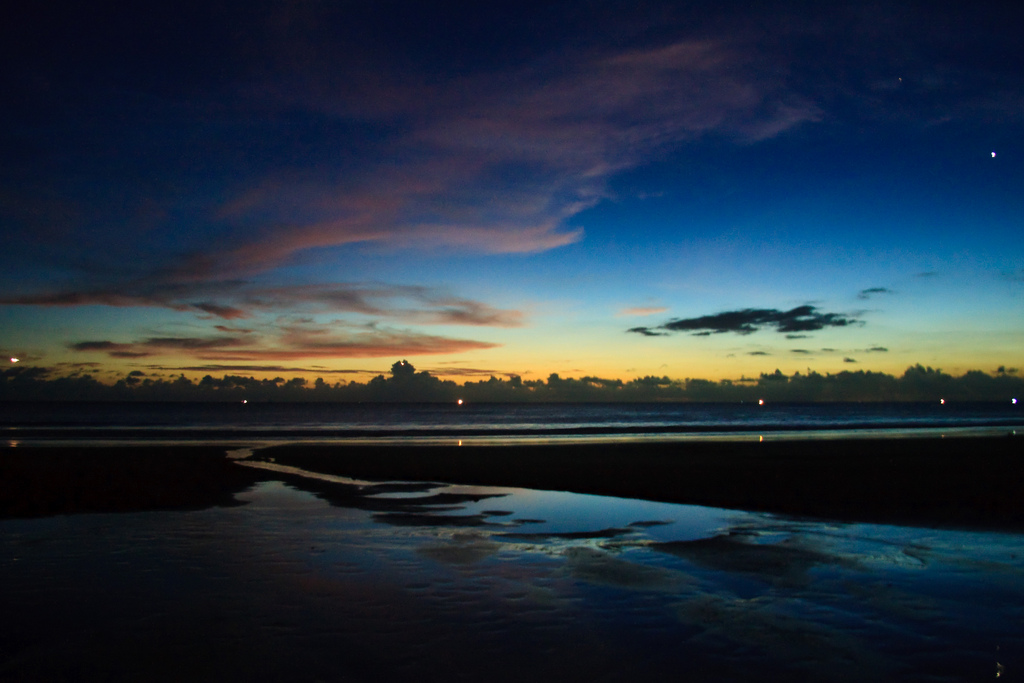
(953, 482)
(946, 482)
(823, 560)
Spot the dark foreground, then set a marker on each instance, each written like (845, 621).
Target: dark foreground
(214, 572)
(952, 482)
(941, 482)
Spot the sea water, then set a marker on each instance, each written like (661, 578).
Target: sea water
(489, 423)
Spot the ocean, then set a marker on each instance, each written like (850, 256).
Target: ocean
(265, 423)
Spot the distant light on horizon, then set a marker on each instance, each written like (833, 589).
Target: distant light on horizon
(760, 401)
(942, 401)
(15, 360)
(1013, 401)
(459, 401)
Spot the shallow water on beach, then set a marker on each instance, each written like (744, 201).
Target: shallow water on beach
(459, 583)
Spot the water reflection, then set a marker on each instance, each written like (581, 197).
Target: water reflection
(313, 578)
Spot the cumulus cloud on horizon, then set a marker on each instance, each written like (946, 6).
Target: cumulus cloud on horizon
(801, 319)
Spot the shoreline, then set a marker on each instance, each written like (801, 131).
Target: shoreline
(971, 483)
(968, 483)
(415, 436)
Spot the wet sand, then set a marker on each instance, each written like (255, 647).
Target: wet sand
(37, 482)
(292, 575)
(969, 483)
(943, 482)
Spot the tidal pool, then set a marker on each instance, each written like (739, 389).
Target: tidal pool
(386, 582)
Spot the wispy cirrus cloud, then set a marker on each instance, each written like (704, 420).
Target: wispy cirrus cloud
(409, 303)
(260, 340)
(214, 367)
(468, 373)
(219, 311)
(158, 345)
(379, 345)
(642, 310)
(113, 349)
(297, 341)
(493, 162)
(150, 292)
(873, 291)
(238, 300)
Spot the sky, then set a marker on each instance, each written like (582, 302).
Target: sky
(612, 189)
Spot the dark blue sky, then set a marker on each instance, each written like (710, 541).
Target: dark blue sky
(512, 188)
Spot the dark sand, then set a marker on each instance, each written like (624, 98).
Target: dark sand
(971, 483)
(37, 482)
(943, 482)
(290, 589)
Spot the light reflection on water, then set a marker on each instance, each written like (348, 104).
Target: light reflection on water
(567, 512)
(290, 586)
